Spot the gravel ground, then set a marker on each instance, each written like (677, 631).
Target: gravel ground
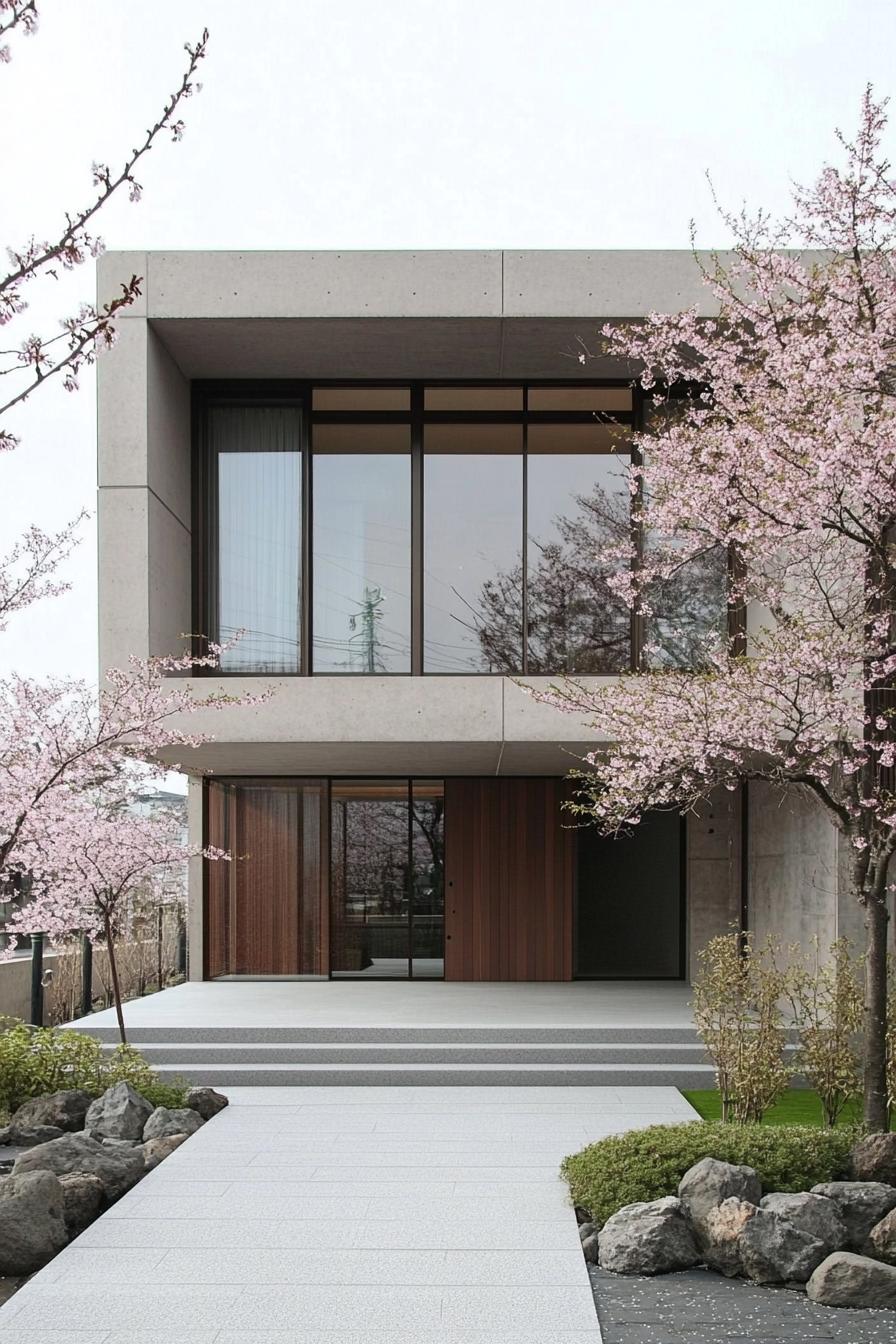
(699, 1307)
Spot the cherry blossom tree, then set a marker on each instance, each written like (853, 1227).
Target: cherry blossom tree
(61, 737)
(27, 571)
(773, 436)
(35, 357)
(88, 858)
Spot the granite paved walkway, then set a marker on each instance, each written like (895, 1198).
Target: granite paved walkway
(343, 1215)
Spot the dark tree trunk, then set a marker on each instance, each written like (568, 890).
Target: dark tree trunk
(113, 971)
(874, 1062)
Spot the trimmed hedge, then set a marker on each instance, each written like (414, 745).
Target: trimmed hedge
(36, 1061)
(647, 1164)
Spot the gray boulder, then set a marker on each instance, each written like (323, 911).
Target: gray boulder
(705, 1185)
(120, 1113)
(847, 1280)
(156, 1150)
(586, 1229)
(873, 1158)
(32, 1225)
(860, 1204)
(882, 1239)
(26, 1136)
(164, 1122)
(5, 1136)
(82, 1198)
(117, 1168)
(772, 1250)
(206, 1101)
(813, 1214)
(647, 1239)
(64, 1110)
(591, 1248)
(120, 1143)
(723, 1227)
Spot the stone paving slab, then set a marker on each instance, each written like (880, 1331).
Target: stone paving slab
(699, 1307)
(255, 1231)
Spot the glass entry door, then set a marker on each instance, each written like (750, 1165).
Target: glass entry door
(387, 879)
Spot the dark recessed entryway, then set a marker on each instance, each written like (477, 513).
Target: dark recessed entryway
(630, 902)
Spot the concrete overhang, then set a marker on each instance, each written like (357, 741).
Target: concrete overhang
(436, 314)
(389, 725)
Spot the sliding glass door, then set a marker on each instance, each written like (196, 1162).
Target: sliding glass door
(386, 879)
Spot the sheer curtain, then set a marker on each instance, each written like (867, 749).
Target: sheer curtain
(256, 559)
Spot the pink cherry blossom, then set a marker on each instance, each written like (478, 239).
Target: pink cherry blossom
(771, 434)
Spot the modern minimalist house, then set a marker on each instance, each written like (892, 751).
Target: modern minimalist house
(380, 480)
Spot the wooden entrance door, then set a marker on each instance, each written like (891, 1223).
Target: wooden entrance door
(265, 908)
(509, 867)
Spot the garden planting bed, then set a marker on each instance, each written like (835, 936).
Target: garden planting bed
(66, 1157)
(815, 1211)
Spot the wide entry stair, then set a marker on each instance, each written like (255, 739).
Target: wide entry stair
(422, 1056)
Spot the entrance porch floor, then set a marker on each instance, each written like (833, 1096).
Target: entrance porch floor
(357, 1215)
(408, 1003)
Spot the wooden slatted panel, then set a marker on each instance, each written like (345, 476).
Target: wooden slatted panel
(265, 912)
(217, 885)
(266, 917)
(509, 872)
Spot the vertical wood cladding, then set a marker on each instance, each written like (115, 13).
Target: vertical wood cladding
(510, 878)
(264, 908)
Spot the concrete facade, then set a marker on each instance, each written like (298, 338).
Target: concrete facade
(374, 315)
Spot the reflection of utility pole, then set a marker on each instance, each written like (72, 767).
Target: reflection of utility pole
(365, 626)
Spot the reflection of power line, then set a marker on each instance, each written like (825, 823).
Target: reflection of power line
(365, 624)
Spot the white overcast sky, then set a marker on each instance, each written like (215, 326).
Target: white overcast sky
(398, 124)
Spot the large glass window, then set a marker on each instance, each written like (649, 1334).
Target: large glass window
(472, 549)
(440, 529)
(256, 560)
(578, 502)
(689, 608)
(362, 553)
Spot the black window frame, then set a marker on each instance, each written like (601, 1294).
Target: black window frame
(298, 392)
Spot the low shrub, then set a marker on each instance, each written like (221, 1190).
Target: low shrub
(34, 1061)
(647, 1164)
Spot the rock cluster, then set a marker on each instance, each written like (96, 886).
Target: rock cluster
(80, 1156)
(838, 1240)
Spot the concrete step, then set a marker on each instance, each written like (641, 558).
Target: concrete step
(418, 1035)
(440, 1075)
(263, 1053)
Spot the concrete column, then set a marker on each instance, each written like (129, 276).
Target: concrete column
(794, 860)
(713, 872)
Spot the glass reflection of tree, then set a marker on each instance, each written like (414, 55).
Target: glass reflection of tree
(576, 623)
(428, 843)
(376, 857)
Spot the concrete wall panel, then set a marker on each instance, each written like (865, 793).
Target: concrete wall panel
(618, 283)
(168, 430)
(793, 851)
(123, 527)
(121, 392)
(170, 617)
(530, 720)
(713, 872)
(114, 269)
(324, 284)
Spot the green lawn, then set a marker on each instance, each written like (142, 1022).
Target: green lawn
(798, 1106)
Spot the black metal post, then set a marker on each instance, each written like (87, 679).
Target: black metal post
(182, 949)
(86, 976)
(37, 979)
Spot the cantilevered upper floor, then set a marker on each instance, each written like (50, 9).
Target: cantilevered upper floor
(393, 472)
